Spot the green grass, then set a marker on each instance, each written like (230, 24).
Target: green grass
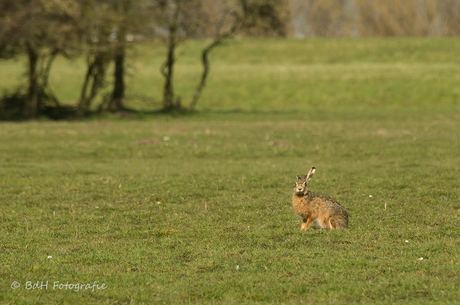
(289, 74)
(163, 210)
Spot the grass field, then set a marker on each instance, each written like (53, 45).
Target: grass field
(196, 208)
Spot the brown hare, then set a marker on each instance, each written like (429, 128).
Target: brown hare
(324, 211)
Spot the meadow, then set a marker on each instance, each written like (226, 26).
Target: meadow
(196, 208)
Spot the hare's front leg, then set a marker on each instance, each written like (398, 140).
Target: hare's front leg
(306, 223)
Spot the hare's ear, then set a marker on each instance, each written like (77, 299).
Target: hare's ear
(310, 174)
(298, 177)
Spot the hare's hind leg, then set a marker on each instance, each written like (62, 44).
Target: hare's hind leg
(331, 225)
(338, 223)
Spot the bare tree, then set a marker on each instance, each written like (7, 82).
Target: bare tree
(131, 17)
(121, 8)
(229, 19)
(107, 25)
(180, 19)
(97, 63)
(41, 30)
(205, 61)
(97, 24)
(217, 19)
(172, 12)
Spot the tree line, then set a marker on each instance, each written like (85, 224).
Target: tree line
(102, 30)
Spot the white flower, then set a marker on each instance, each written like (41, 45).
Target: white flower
(420, 259)
(49, 256)
(165, 138)
(237, 267)
(406, 241)
(370, 196)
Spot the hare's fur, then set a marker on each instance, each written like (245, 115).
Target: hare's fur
(324, 211)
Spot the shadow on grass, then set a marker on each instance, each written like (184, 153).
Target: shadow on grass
(12, 106)
(12, 109)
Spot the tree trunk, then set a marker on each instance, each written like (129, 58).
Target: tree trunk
(118, 93)
(204, 60)
(45, 90)
(168, 72)
(94, 75)
(204, 75)
(31, 102)
(168, 66)
(83, 104)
